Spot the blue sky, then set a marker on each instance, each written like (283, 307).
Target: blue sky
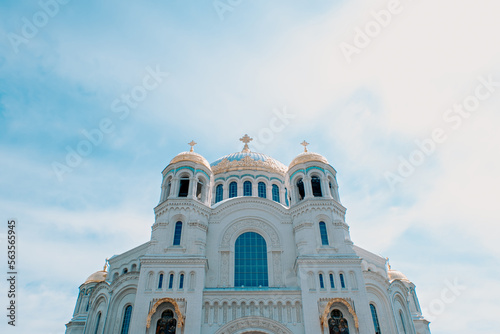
(231, 73)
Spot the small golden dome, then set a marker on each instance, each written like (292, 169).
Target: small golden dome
(98, 276)
(191, 156)
(306, 157)
(396, 275)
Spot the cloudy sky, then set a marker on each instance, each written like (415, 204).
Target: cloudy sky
(401, 97)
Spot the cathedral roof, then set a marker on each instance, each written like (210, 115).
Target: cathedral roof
(191, 156)
(396, 275)
(96, 277)
(247, 160)
(307, 156)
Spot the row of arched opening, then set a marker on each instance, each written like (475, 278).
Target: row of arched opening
(263, 190)
(314, 186)
(171, 281)
(183, 186)
(133, 268)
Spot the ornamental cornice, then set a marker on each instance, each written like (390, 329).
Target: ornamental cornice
(125, 280)
(97, 289)
(182, 204)
(171, 260)
(302, 226)
(328, 260)
(313, 204)
(197, 224)
(236, 203)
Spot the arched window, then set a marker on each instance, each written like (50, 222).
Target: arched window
(247, 188)
(402, 320)
(126, 319)
(167, 323)
(250, 260)
(183, 187)
(375, 319)
(316, 186)
(323, 233)
(233, 189)
(218, 193)
(125, 270)
(177, 233)
(97, 322)
(300, 189)
(286, 197)
(276, 193)
(199, 190)
(167, 191)
(160, 281)
(342, 281)
(171, 281)
(321, 282)
(332, 282)
(181, 282)
(262, 190)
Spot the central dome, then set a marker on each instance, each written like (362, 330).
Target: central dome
(247, 160)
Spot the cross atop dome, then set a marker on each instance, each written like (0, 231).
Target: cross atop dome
(246, 139)
(304, 143)
(192, 143)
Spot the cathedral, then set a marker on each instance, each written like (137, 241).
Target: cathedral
(248, 245)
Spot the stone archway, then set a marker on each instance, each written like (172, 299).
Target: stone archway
(254, 325)
(343, 305)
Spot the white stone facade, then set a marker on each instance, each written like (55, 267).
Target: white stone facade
(311, 275)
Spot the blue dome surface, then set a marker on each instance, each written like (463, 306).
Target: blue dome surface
(241, 155)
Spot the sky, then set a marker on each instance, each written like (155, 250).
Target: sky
(401, 97)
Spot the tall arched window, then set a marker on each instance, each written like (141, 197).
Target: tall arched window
(181, 282)
(342, 281)
(219, 191)
(316, 186)
(323, 233)
(199, 190)
(160, 281)
(300, 189)
(375, 319)
(167, 191)
(262, 190)
(250, 260)
(171, 281)
(401, 316)
(97, 322)
(332, 282)
(177, 233)
(321, 282)
(126, 319)
(183, 187)
(276, 193)
(247, 188)
(233, 189)
(286, 197)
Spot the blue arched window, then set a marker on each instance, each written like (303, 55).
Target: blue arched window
(181, 282)
(323, 233)
(321, 282)
(171, 281)
(160, 281)
(332, 282)
(262, 189)
(97, 323)
(250, 260)
(218, 193)
(342, 282)
(126, 319)
(233, 189)
(276, 193)
(286, 197)
(316, 186)
(247, 188)
(375, 319)
(177, 233)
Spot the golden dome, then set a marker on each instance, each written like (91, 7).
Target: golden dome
(98, 276)
(306, 157)
(247, 160)
(396, 275)
(191, 156)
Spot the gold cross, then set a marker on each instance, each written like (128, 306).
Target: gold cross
(304, 143)
(246, 139)
(192, 143)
